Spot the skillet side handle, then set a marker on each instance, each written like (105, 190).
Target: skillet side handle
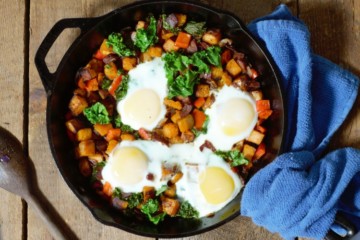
(344, 223)
(46, 77)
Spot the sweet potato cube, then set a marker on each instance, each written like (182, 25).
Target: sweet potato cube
(225, 80)
(183, 40)
(170, 206)
(86, 148)
(170, 130)
(113, 134)
(181, 19)
(129, 63)
(248, 151)
(112, 144)
(176, 116)
(105, 49)
(84, 134)
(256, 137)
(127, 137)
(185, 123)
(77, 105)
(102, 129)
(110, 70)
(233, 68)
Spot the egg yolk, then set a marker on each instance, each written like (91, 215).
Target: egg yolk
(235, 116)
(216, 185)
(129, 165)
(143, 107)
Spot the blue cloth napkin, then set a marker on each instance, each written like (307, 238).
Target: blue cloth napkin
(299, 193)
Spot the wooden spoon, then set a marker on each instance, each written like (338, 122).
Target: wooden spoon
(16, 172)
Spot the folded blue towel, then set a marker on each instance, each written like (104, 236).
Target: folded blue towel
(299, 193)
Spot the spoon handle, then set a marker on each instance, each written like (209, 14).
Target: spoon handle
(52, 222)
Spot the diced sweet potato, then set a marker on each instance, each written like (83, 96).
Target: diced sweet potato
(185, 123)
(84, 134)
(102, 129)
(140, 25)
(112, 144)
(105, 49)
(256, 137)
(181, 19)
(92, 85)
(176, 116)
(113, 134)
(248, 151)
(77, 105)
(170, 206)
(212, 37)
(260, 151)
(225, 80)
(129, 63)
(202, 90)
(233, 68)
(107, 189)
(183, 40)
(86, 148)
(170, 130)
(127, 137)
(74, 125)
(148, 192)
(173, 104)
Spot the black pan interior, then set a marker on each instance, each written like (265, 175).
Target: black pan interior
(80, 53)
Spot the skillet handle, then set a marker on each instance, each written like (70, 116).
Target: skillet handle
(346, 225)
(46, 77)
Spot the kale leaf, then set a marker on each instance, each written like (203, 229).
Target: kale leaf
(97, 113)
(121, 125)
(115, 40)
(234, 156)
(150, 208)
(204, 128)
(161, 190)
(187, 211)
(121, 91)
(196, 29)
(134, 199)
(146, 37)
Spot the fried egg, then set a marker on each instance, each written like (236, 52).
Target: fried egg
(143, 105)
(207, 181)
(232, 117)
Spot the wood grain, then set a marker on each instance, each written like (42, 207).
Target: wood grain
(11, 108)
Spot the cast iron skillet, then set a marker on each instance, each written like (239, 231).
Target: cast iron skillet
(60, 84)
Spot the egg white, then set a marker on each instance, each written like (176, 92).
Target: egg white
(148, 76)
(189, 159)
(214, 134)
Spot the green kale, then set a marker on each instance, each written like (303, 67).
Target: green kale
(235, 157)
(117, 193)
(115, 40)
(134, 200)
(150, 208)
(97, 113)
(187, 211)
(161, 190)
(146, 37)
(213, 55)
(204, 128)
(121, 91)
(121, 125)
(106, 83)
(196, 29)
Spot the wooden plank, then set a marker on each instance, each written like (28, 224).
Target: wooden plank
(44, 14)
(12, 19)
(335, 31)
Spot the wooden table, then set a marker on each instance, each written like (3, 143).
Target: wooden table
(335, 28)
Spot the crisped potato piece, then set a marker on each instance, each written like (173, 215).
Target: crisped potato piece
(173, 104)
(233, 68)
(77, 105)
(129, 63)
(127, 137)
(171, 191)
(86, 148)
(185, 123)
(225, 80)
(102, 129)
(74, 125)
(155, 51)
(170, 46)
(84, 134)
(256, 137)
(148, 192)
(110, 70)
(257, 94)
(105, 49)
(170, 206)
(96, 158)
(202, 90)
(216, 73)
(170, 130)
(181, 19)
(112, 144)
(248, 151)
(212, 37)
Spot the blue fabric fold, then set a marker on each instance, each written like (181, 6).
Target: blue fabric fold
(299, 193)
